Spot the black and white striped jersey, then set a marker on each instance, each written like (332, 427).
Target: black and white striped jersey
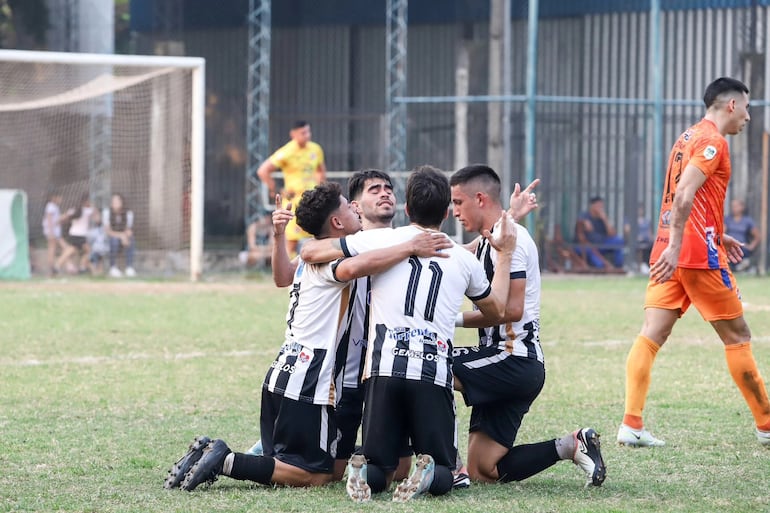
(352, 347)
(521, 338)
(318, 315)
(413, 307)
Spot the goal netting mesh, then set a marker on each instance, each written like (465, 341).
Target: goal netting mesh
(99, 129)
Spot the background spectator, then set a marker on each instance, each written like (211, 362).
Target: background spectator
(77, 245)
(52, 229)
(597, 239)
(118, 224)
(742, 227)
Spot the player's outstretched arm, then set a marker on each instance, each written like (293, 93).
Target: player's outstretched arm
(283, 267)
(504, 241)
(425, 245)
(315, 251)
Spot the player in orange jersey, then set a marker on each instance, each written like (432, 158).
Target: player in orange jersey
(689, 262)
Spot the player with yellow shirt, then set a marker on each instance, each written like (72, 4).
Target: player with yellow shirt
(302, 163)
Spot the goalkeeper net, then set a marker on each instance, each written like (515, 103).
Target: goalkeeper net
(98, 125)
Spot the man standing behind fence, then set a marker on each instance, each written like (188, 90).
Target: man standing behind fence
(302, 163)
(690, 262)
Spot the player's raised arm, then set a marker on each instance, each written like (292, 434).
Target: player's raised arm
(504, 241)
(283, 267)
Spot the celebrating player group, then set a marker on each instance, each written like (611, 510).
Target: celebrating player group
(370, 329)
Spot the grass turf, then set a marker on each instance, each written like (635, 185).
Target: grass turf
(105, 383)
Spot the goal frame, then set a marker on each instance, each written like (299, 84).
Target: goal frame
(197, 136)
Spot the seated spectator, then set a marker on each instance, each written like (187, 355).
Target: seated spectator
(77, 245)
(597, 239)
(259, 242)
(100, 246)
(119, 226)
(742, 227)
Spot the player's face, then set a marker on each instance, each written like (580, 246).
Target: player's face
(302, 135)
(377, 204)
(348, 216)
(466, 209)
(740, 114)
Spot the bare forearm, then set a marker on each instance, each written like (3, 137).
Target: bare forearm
(283, 267)
(373, 262)
(680, 211)
(321, 251)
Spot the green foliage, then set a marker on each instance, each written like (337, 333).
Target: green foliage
(105, 383)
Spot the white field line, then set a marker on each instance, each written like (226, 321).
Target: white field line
(96, 360)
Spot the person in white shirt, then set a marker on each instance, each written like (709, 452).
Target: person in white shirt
(299, 393)
(77, 245)
(52, 229)
(502, 376)
(409, 352)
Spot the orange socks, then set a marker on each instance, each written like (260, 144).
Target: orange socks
(638, 369)
(743, 369)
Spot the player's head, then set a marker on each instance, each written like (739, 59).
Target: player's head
(371, 192)
(728, 97)
(300, 132)
(324, 211)
(427, 196)
(475, 196)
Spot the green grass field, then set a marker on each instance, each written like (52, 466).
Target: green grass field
(103, 385)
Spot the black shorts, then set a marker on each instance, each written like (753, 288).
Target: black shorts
(350, 410)
(399, 410)
(77, 241)
(298, 433)
(500, 387)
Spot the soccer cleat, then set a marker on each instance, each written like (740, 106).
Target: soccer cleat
(461, 480)
(185, 463)
(256, 449)
(637, 437)
(208, 467)
(763, 437)
(357, 487)
(588, 456)
(419, 482)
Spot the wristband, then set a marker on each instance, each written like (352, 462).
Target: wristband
(459, 320)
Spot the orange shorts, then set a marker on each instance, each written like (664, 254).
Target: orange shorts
(714, 293)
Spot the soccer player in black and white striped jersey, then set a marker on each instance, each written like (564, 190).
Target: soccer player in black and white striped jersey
(504, 374)
(408, 360)
(297, 421)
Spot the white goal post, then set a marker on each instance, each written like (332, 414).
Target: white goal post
(98, 124)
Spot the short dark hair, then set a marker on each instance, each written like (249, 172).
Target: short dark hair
(427, 196)
(359, 178)
(300, 123)
(316, 206)
(485, 176)
(595, 199)
(720, 86)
